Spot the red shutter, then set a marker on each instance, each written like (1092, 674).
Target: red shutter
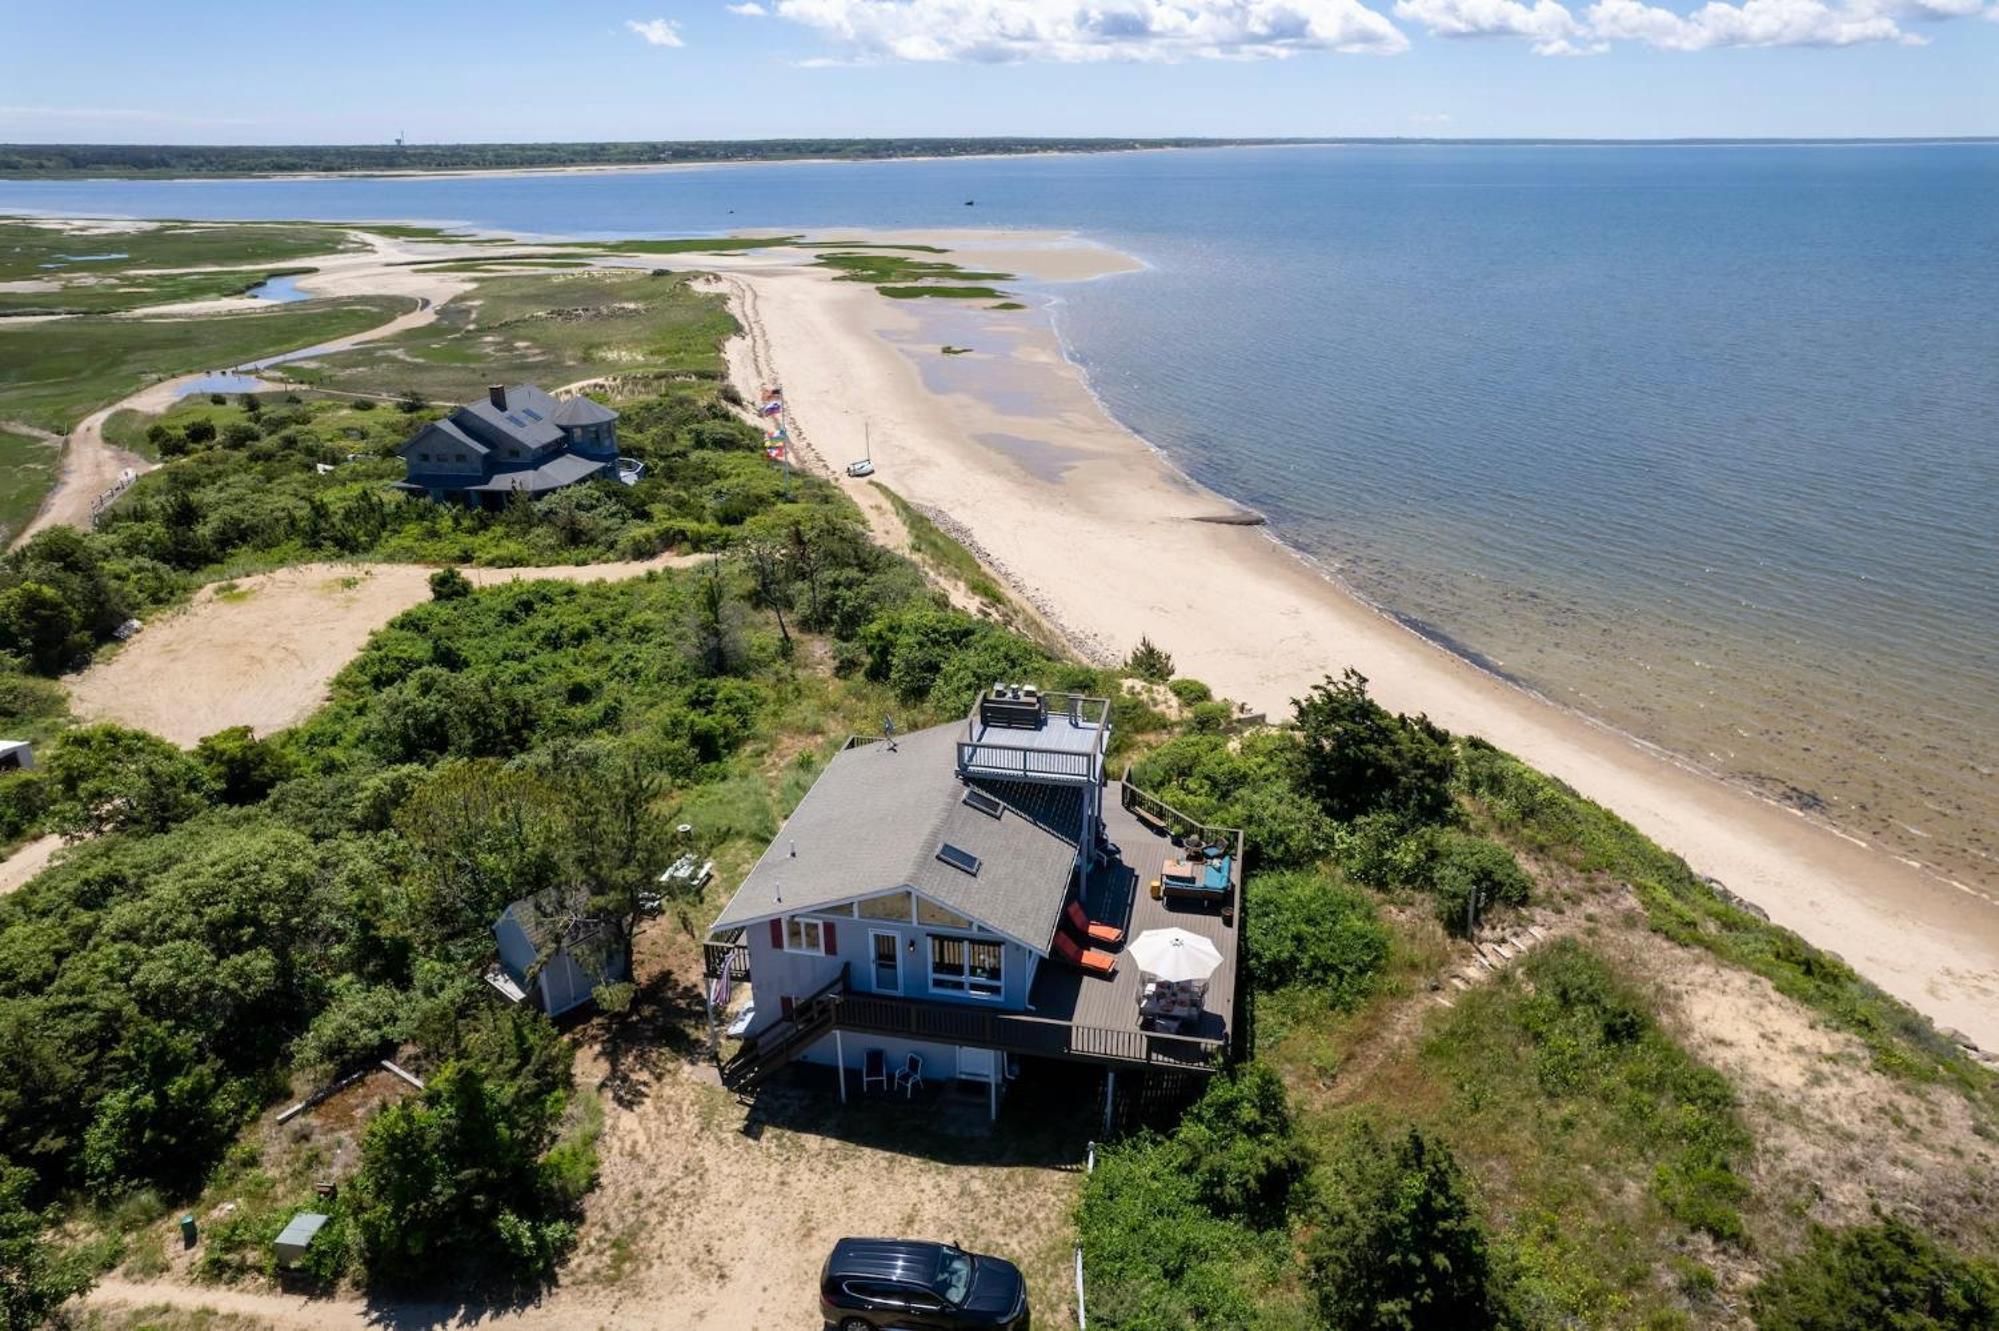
(777, 934)
(832, 939)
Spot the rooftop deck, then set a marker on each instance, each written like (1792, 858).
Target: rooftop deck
(1118, 893)
(1065, 745)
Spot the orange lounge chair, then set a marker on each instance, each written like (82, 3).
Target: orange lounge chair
(1107, 934)
(1089, 959)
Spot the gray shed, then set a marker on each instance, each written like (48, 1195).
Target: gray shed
(297, 1237)
(16, 755)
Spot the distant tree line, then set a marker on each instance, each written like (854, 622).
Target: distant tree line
(246, 159)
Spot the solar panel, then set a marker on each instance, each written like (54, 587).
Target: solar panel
(961, 860)
(984, 803)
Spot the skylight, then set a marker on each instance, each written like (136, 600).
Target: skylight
(961, 860)
(984, 803)
(531, 413)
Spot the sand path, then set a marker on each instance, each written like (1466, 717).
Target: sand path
(260, 651)
(28, 861)
(92, 467)
(1100, 533)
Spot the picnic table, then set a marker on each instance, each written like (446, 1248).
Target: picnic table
(1169, 1005)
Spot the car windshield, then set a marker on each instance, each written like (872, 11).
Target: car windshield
(954, 1275)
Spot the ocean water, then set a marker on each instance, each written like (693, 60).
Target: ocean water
(1701, 440)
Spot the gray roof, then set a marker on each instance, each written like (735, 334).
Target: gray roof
(580, 410)
(560, 470)
(555, 918)
(450, 433)
(876, 819)
(528, 419)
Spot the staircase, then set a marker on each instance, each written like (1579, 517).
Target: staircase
(777, 1045)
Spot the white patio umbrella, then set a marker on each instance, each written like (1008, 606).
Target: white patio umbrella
(1174, 954)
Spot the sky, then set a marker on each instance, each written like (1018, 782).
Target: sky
(447, 71)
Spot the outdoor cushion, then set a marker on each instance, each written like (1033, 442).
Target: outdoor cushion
(1107, 934)
(1097, 963)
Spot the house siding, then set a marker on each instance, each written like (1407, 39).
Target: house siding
(777, 974)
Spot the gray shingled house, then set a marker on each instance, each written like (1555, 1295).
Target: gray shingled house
(517, 440)
(922, 900)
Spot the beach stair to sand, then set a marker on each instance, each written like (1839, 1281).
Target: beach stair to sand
(1490, 955)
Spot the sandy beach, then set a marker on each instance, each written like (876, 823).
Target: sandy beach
(1098, 530)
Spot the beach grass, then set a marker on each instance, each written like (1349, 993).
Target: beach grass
(684, 245)
(51, 376)
(27, 469)
(902, 278)
(550, 328)
(69, 272)
(942, 551)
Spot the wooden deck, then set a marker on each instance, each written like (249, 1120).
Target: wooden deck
(1119, 894)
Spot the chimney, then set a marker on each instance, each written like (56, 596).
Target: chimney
(498, 393)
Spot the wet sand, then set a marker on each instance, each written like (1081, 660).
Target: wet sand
(1099, 530)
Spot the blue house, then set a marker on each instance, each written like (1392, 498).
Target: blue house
(518, 440)
(931, 896)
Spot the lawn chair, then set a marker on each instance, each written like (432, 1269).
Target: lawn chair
(909, 1076)
(1086, 928)
(1089, 959)
(874, 1068)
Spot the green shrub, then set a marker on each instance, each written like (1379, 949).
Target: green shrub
(1150, 662)
(1253, 785)
(1469, 875)
(448, 584)
(1359, 757)
(1886, 1275)
(1399, 1245)
(1303, 928)
(1190, 691)
(1239, 1146)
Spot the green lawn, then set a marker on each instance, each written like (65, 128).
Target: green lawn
(27, 469)
(54, 374)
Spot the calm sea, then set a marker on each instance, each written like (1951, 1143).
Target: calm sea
(1701, 440)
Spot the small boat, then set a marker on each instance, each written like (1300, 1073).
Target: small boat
(864, 467)
(630, 470)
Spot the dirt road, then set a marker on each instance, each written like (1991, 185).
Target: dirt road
(260, 651)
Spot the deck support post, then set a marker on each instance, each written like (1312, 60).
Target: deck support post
(840, 1058)
(1110, 1089)
(714, 1035)
(992, 1081)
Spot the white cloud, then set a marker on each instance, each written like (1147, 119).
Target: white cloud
(1552, 28)
(1002, 31)
(748, 9)
(1751, 23)
(656, 31)
(1555, 29)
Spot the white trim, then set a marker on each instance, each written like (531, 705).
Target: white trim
(803, 920)
(874, 978)
(965, 989)
(781, 913)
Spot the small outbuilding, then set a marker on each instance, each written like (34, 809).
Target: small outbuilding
(296, 1240)
(16, 755)
(554, 952)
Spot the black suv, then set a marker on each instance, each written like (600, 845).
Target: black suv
(878, 1284)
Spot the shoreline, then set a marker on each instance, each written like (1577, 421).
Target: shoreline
(1076, 492)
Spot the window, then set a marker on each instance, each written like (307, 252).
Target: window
(984, 803)
(894, 906)
(961, 860)
(967, 966)
(423, 457)
(929, 912)
(803, 935)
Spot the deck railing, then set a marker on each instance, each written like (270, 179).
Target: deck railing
(1018, 1032)
(1181, 826)
(1021, 762)
(730, 952)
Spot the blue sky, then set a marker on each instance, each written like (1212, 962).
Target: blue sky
(214, 71)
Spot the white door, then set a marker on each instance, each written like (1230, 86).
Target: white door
(886, 950)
